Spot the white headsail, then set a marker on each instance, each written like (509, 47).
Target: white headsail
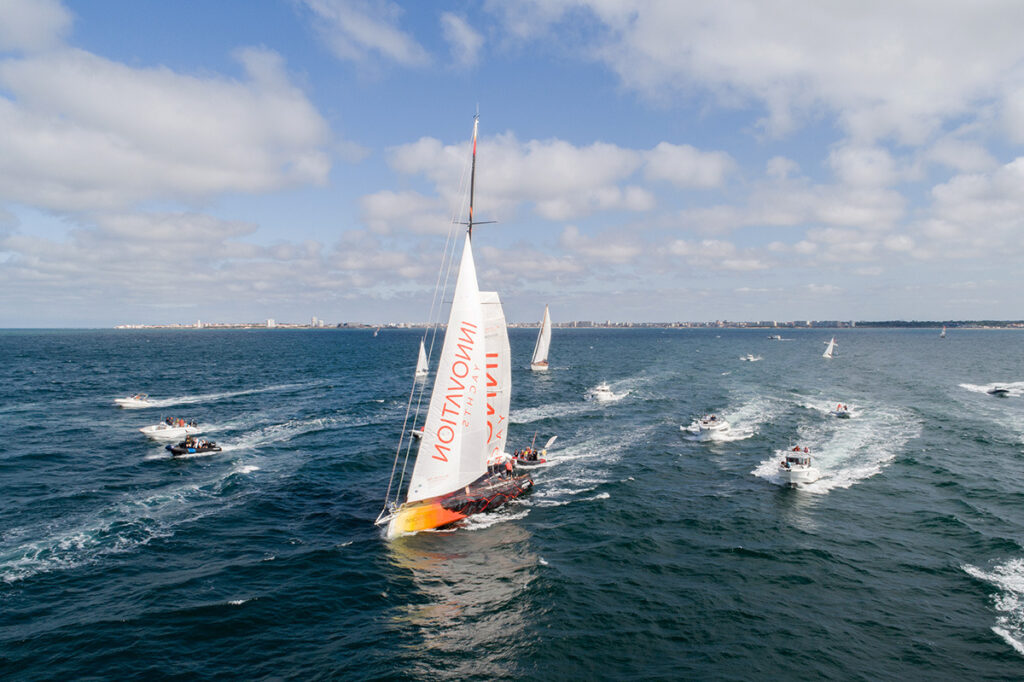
(831, 347)
(540, 350)
(498, 377)
(421, 363)
(452, 452)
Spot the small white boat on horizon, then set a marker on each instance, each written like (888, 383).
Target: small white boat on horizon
(796, 467)
(774, 337)
(750, 357)
(942, 334)
(831, 349)
(136, 401)
(422, 368)
(539, 362)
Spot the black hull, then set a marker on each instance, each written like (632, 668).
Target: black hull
(487, 493)
(178, 450)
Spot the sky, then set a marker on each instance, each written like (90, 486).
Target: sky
(643, 160)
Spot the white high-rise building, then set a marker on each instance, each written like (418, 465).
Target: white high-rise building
(270, 323)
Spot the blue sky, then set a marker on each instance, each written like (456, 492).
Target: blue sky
(646, 160)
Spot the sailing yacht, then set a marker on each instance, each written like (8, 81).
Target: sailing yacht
(539, 363)
(422, 368)
(831, 348)
(461, 465)
(942, 334)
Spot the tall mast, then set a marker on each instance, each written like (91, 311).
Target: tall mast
(472, 175)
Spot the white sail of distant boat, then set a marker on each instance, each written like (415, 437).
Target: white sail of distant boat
(421, 363)
(831, 347)
(461, 467)
(539, 363)
(942, 334)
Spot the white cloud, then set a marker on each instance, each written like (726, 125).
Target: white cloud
(83, 132)
(603, 249)
(386, 211)
(862, 166)
(685, 166)
(464, 40)
(715, 254)
(31, 25)
(961, 155)
(354, 28)
(882, 68)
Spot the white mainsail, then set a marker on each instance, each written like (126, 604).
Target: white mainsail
(498, 375)
(421, 363)
(452, 452)
(831, 347)
(540, 350)
(943, 334)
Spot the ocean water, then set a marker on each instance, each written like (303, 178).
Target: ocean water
(642, 553)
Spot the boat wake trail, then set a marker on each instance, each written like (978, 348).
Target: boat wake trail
(744, 420)
(1008, 578)
(1013, 388)
(213, 397)
(277, 433)
(849, 451)
(121, 527)
(552, 411)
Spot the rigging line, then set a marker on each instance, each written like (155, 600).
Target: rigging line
(447, 259)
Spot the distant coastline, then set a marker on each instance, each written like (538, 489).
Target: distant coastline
(589, 324)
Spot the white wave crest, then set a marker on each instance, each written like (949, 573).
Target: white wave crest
(1008, 578)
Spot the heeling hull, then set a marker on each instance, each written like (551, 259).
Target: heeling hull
(539, 366)
(485, 494)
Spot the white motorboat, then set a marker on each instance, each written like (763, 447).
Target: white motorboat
(602, 393)
(165, 431)
(841, 412)
(134, 401)
(796, 467)
(774, 337)
(750, 357)
(709, 426)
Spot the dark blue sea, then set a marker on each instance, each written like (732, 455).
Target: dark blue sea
(641, 554)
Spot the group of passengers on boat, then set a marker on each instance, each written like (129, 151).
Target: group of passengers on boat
(179, 422)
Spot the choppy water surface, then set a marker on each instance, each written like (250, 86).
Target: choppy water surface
(643, 552)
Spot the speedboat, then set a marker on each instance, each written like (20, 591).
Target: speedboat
(841, 411)
(602, 393)
(999, 391)
(134, 401)
(711, 425)
(531, 456)
(774, 337)
(796, 468)
(190, 446)
(170, 431)
(750, 357)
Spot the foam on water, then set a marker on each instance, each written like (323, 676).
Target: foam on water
(847, 451)
(1015, 388)
(1008, 579)
(213, 397)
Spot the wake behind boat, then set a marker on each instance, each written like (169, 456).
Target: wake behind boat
(171, 429)
(461, 467)
(796, 467)
(137, 401)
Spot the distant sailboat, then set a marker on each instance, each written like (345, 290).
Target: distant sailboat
(421, 363)
(831, 347)
(375, 332)
(461, 466)
(942, 334)
(540, 350)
